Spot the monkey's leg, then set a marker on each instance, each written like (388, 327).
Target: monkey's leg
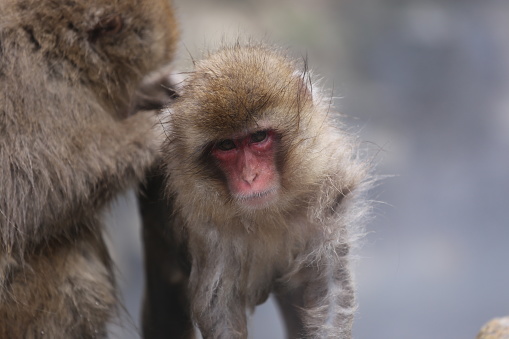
(166, 310)
(63, 291)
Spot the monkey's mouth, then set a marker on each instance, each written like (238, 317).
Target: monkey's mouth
(257, 200)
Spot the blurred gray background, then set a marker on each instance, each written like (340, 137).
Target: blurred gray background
(426, 85)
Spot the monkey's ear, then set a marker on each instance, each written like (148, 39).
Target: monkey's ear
(109, 25)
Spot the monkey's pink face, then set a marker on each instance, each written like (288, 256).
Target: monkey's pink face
(248, 162)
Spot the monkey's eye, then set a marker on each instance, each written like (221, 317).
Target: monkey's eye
(107, 26)
(226, 145)
(258, 136)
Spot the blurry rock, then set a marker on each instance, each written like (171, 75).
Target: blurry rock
(496, 329)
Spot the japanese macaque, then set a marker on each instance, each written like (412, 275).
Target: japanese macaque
(69, 142)
(264, 187)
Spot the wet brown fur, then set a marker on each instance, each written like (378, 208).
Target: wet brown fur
(69, 71)
(298, 247)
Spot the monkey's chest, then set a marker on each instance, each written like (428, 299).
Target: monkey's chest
(266, 268)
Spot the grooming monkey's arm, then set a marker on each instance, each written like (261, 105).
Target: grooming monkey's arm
(78, 170)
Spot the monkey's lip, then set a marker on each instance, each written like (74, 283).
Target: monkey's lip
(257, 199)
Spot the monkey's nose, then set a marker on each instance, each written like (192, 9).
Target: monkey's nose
(250, 177)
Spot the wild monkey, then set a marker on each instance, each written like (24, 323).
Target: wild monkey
(69, 71)
(264, 187)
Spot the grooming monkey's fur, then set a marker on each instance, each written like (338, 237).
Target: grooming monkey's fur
(247, 118)
(69, 71)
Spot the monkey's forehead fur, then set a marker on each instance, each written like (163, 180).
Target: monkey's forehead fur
(239, 87)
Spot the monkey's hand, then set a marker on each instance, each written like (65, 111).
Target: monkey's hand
(156, 91)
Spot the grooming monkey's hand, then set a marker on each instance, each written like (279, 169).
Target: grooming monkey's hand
(155, 92)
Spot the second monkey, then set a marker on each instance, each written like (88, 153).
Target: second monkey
(265, 195)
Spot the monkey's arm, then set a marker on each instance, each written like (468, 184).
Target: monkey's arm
(224, 317)
(55, 173)
(323, 305)
(217, 301)
(330, 302)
